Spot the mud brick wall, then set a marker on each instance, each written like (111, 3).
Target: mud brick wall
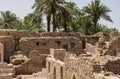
(54, 69)
(115, 43)
(73, 67)
(8, 43)
(78, 67)
(43, 44)
(15, 34)
(34, 64)
(58, 53)
(113, 66)
(92, 39)
(79, 35)
(1, 53)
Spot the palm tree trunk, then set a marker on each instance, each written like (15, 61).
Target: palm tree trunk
(54, 23)
(48, 23)
(95, 24)
(65, 26)
(86, 30)
(53, 13)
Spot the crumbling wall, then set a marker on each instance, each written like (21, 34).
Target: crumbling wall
(7, 71)
(8, 43)
(113, 66)
(55, 64)
(79, 67)
(54, 69)
(59, 34)
(101, 42)
(34, 64)
(109, 64)
(15, 34)
(91, 49)
(43, 44)
(18, 59)
(92, 39)
(83, 66)
(1, 53)
(112, 35)
(58, 53)
(78, 35)
(115, 43)
(111, 47)
(73, 67)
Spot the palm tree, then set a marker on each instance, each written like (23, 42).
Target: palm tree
(97, 11)
(32, 23)
(87, 24)
(51, 8)
(74, 26)
(7, 20)
(80, 22)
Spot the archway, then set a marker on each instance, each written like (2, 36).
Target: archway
(74, 77)
(61, 72)
(48, 67)
(54, 73)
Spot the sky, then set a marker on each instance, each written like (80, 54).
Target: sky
(23, 7)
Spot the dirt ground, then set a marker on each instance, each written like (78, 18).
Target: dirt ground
(38, 75)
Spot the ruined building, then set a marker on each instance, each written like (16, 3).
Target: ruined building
(84, 66)
(10, 38)
(6, 70)
(72, 55)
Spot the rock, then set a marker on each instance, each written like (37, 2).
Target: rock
(18, 59)
(32, 65)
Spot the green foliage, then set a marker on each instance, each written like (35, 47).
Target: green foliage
(104, 29)
(62, 16)
(7, 20)
(56, 12)
(97, 10)
(32, 23)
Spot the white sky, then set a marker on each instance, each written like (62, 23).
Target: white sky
(22, 7)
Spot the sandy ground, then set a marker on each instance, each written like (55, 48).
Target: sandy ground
(39, 75)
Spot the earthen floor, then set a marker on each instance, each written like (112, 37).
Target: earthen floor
(39, 75)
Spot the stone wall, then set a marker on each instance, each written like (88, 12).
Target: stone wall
(73, 67)
(113, 34)
(54, 69)
(1, 53)
(55, 64)
(7, 71)
(43, 44)
(58, 53)
(18, 58)
(78, 67)
(78, 35)
(15, 34)
(34, 64)
(59, 34)
(8, 43)
(92, 39)
(115, 43)
(91, 49)
(113, 66)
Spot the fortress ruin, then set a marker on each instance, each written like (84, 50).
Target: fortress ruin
(58, 55)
